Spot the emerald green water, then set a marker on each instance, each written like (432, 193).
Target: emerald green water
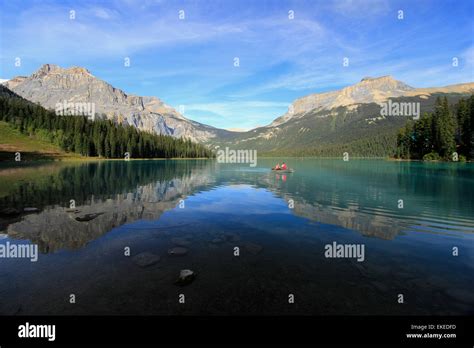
(410, 217)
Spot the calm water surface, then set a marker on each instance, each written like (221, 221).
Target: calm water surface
(281, 224)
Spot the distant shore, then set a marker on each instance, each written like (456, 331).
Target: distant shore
(9, 157)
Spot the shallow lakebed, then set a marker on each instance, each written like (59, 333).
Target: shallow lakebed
(135, 225)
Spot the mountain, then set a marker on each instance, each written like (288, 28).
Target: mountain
(347, 119)
(368, 90)
(90, 137)
(319, 124)
(52, 84)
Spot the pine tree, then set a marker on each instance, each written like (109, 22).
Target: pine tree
(470, 126)
(91, 138)
(462, 133)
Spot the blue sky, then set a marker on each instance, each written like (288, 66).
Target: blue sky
(190, 61)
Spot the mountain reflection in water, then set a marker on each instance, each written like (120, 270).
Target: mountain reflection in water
(281, 222)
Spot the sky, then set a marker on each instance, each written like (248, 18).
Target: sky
(238, 64)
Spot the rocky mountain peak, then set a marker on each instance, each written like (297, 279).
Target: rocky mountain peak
(52, 84)
(384, 83)
(52, 69)
(78, 71)
(368, 90)
(45, 69)
(384, 78)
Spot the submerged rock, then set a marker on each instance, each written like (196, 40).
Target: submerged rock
(145, 259)
(30, 210)
(217, 241)
(186, 277)
(177, 251)
(88, 217)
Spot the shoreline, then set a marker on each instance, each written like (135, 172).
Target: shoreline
(43, 158)
(67, 159)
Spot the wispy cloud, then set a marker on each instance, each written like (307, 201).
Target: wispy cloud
(191, 61)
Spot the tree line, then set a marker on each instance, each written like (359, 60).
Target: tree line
(99, 137)
(445, 134)
(376, 146)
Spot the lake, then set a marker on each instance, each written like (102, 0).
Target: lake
(110, 236)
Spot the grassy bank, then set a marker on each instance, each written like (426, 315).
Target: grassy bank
(31, 148)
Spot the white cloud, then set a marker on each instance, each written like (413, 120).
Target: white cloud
(191, 61)
(93, 38)
(104, 13)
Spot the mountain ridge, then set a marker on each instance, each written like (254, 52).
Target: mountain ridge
(330, 129)
(52, 84)
(368, 90)
(355, 105)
